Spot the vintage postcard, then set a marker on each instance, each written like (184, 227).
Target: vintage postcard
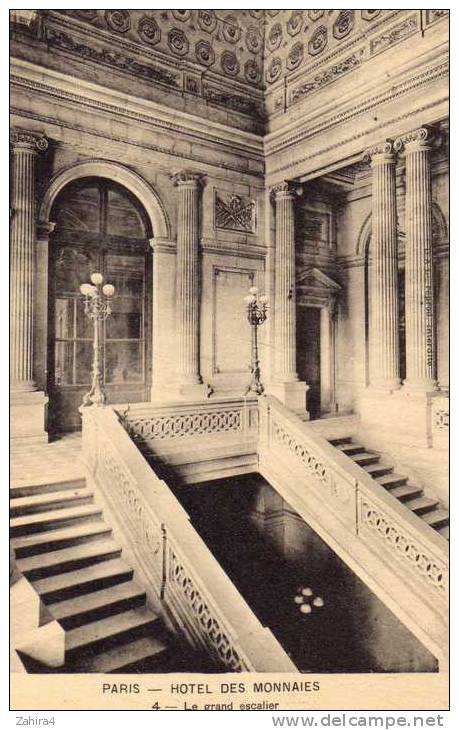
(229, 359)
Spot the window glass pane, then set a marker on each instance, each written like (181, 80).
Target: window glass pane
(123, 362)
(123, 219)
(83, 365)
(125, 321)
(63, 315)
(63, 365)
(85, 326)
(78, 208)
(126, 273)
(74, 266)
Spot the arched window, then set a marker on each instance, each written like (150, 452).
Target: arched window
(100, 227)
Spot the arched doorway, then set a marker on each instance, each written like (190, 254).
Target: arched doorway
(99, 226)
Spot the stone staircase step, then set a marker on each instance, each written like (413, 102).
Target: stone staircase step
(350, 448)
(137, 655)
(406, 492)
(74, 612)
(375, 470)
(422, 504)
(108, 632)
(389, 481)
(83, 581)
(68, 559)
(443, 531)
(340, 440)
(52, 500)
(437, 518)
(27, 524)
(44, 542)
(27, 490)
(364, 458)
(397, 485)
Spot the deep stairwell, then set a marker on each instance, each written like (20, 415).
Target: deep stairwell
(411, 496)
(67, 552)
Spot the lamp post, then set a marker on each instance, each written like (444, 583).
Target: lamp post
(256, 314)
(97, 308)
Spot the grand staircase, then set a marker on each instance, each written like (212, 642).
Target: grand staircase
(412, 496)
(67, 552)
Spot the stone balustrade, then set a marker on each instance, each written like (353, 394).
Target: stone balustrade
(440, 422)
(173, 435)
(182, 579)
(397, 555)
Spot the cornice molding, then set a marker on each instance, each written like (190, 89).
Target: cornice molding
(224, 248)
(284, 170)
(286, 137)
(95, 96)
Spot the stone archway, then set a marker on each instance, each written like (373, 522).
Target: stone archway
(93, 168)
(118, 173)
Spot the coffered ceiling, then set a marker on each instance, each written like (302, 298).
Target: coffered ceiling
(244, 68)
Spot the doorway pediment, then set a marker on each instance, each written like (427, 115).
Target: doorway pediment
(316, 279)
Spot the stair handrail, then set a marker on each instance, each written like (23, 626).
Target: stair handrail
(189, 584)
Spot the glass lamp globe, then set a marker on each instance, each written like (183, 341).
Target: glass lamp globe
(305, 608)
(97, 278)
(263, 299)
(86, 289)
(253, 290)
(306, 591)
(298, 599)
(250, 299)
(108, 290)
(318, 601)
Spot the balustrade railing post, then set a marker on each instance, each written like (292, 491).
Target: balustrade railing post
(165, 562)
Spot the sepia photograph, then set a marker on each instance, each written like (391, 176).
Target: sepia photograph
(229, 359)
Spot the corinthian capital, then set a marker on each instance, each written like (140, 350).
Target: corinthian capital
(285, 189)
(382, 152)
(185, 177)
(417, 139)
(26, 140)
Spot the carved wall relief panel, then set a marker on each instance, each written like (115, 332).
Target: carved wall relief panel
(234, 213)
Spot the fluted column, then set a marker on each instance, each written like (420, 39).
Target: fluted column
(419, 302)
(285, 290)
(189, 186)
(25, 148)
(384, 342)
(289, 389)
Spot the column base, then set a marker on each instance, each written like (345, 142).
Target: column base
(420, 386)
(180, 392)
(292, 395)
(28, 416)
(385, 386)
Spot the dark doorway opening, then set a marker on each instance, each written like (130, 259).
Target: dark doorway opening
(308, 356)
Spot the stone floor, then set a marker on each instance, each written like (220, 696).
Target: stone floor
(36, 463)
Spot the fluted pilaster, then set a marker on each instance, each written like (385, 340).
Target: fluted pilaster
(285, 290)
(25, 148)
(384, 335)
(419, 302)
(189, 190)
